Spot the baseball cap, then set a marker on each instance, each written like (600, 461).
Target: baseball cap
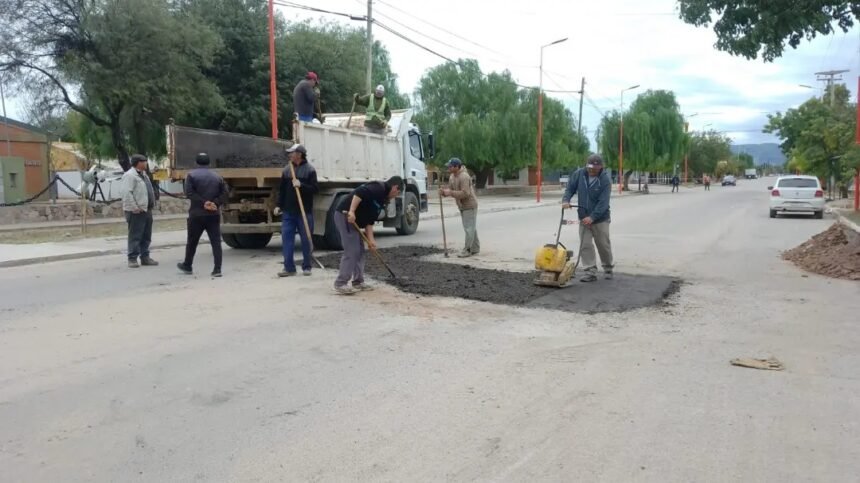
(297, 147)
(454, 162)
(594, 161)
(312, 76)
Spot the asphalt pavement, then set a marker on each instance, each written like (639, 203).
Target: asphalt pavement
(113, 374)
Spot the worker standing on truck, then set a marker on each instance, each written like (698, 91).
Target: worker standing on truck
(207, 192)
(378, 112)
(291, 217)
(138, 201)
(593, 186)
(361, 208)
(460, 188)
(318, 114)
(304, 97)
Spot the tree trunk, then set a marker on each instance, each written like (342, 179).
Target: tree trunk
(627, 180)
(119, 143)
(482, 176)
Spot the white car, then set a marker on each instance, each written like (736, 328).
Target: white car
(797, 194)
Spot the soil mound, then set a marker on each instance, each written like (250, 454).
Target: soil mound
(834, 252)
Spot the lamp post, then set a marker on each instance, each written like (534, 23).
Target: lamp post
(687, 151)
(540, 120)
(621, 142)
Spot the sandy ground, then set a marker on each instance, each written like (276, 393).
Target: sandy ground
(108, 374)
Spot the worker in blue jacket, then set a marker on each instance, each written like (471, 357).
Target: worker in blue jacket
(593, 187)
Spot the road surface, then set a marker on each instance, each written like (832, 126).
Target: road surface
(109, 374)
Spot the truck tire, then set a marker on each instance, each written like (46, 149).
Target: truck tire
(248, 241)
(410, 216)
(331, 238)
(230, 240)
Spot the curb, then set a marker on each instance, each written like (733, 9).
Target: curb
(845, 221)
(76, 256)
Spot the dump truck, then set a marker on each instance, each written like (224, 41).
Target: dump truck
(344, 154)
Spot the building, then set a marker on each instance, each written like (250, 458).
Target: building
(24, 161)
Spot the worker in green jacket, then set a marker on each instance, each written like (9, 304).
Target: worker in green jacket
(378, 112)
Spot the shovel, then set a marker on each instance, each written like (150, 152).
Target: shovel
(304, 217)
(375, 252)
(444, 236)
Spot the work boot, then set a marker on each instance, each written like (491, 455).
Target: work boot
(588, 277)
(148, 262)
(306, 273)
(464, 254)
(216, 273)
(608, 275)
(132, 263)
(284, 273)
(362, 287)
(344, 290)
(184, 268)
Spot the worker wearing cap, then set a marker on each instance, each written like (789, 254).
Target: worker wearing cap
(207, 192)
(288, 205)
(304, 97)
(378, 112)
(593, 187)
(460, 188)
(138, 201)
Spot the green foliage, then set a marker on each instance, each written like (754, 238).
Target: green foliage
(490, 123)
(752, 27)
(745, 161)
(819, 138)
(706, 149)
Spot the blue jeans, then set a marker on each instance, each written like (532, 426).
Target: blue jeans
(306, 119)
(289, 225)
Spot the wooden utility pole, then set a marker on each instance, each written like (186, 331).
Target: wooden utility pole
(273, 87)
(581, 96)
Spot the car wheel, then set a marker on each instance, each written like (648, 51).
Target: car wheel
(819, 214)
(773, 213)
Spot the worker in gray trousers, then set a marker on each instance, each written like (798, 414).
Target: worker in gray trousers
(460, 188)
(593, 187)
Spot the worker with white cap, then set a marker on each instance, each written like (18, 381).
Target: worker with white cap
(378, 112)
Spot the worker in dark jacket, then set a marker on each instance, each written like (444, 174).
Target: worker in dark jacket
(593, 187)
(288, 205)
(304, 97)
(208, 193)
(362, 208)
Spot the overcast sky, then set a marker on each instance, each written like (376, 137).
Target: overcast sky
(612, 43)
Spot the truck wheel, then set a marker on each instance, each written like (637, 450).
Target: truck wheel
(411, 211)
(252, 241)
(773, 213)
(331, 238)
(230, 240)
(819, 214)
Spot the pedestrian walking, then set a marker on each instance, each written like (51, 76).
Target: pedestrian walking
(378, 112)
(207, 192)
(138, 201)
(291, 211)
(304, 97)
(361, 208)
(675, 183)
(707, 182)
(460, 188)
(592, 185)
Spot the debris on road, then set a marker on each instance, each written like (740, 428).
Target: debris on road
(833, 253)
(420, 276)
(769, 364)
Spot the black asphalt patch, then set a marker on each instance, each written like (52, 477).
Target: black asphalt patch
(462, 280)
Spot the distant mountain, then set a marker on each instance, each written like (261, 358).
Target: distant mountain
(765, 153)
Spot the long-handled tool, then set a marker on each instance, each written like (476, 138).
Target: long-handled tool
(349, 121)
(373, 249)
(304, 216)
(444, 236)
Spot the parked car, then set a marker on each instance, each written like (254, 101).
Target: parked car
(797, 194)
(729, 180)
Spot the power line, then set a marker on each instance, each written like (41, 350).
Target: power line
(284, 3)
(413, 42)
(377, 12)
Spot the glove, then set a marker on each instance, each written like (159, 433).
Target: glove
(297, 183)
(277, 211)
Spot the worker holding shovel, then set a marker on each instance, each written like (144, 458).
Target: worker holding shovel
(291, 206)
(359, 211)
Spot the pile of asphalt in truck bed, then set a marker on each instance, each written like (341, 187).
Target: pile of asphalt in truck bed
(459, 279)
(277, 160)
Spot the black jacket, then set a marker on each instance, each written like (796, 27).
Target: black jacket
(202, 185)
(374, 197)
(304, 98)
(287, 200)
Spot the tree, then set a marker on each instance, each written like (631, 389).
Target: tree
(750, 28)
(819, 138)
(706, 149)
(745, 161)
(126, 65)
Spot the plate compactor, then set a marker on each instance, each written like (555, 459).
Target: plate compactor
(554, 262)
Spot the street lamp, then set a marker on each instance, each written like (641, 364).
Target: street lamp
(687, 151)
(621, 142)
(540, 120)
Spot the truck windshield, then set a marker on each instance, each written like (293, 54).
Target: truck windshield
(798, 183)
(415, 145)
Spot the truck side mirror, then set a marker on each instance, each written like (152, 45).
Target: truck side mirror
(431, 145)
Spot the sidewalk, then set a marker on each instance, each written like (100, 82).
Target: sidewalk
(13, 255)
(44, 225)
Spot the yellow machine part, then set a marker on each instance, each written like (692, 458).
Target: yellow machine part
(550, 258)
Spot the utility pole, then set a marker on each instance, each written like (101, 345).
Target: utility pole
(828, 77)
(273, 86)
(368, 85)
(581, 96)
